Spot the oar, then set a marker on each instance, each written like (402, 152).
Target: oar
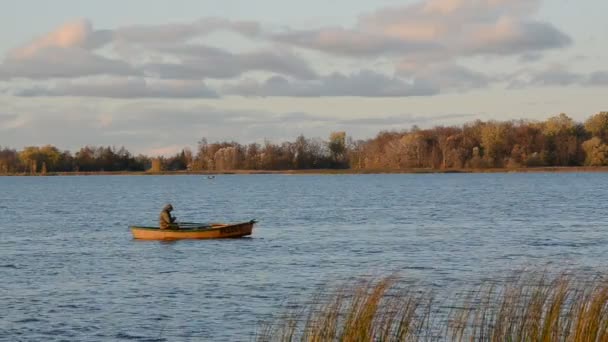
(191, 225)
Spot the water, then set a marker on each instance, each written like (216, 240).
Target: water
(70, 271)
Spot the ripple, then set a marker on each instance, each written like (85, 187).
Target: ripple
(421, 268)
(29, 320)
(127, 336)
(91, 281)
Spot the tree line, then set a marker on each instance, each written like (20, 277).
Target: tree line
(557, 141)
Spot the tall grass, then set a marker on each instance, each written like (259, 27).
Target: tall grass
(531, 307)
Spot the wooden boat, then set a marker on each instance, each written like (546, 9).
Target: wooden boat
(189, 230)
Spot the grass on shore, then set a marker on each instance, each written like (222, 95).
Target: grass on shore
(530, 307)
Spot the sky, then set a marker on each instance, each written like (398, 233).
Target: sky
(157, 76)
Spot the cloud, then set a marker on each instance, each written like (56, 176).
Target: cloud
(124, 88)
(69, 35)
(352, 42)
(444, 29)
(512, 36)
(69, 62)
(558, 75)
(599, 78)
(364, 83)
(446, 76)
(299, 117)
(429, 43)
(146, 124)
(164, 150)
(199, 61)
(402, 120)
(530, 57)
(65, 52)
(6, 117)
(11, 121)
(182, 32)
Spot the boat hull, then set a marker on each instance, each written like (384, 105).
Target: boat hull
(213, 231)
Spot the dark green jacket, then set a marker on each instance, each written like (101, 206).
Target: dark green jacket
(166, 219)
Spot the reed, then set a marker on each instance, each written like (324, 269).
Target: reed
(531, 307)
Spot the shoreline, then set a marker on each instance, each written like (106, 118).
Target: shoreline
(556, 169)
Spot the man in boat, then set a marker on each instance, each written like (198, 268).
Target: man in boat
(166, 220)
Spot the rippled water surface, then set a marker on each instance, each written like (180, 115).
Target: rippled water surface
(69, 269)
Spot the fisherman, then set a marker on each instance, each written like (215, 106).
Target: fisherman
(166, 220)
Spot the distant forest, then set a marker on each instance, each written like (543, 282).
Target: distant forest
(558, 141)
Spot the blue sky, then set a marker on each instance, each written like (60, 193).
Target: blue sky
(156, 76)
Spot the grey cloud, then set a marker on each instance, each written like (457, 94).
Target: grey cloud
(364, 83)
(195, 121)
(298, 117)
(598, 78)
(5, 119)
(457, 77)
(4, 116)
(138, 125)
(63, 63)
(558, 76)
(528, 37)
(449, 76)
(98, 39)
(530, 57)
(206, 116)
(124, 88)
(200, 61)
(406, 119)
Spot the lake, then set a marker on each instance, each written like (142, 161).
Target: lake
(70, 270)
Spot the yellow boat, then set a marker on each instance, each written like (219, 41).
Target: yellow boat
(189, 230)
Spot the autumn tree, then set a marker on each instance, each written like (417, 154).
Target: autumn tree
(564, 138)
(495, 144)
(596, 152)
(337, 147)
(597, 126)
(9, 160)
